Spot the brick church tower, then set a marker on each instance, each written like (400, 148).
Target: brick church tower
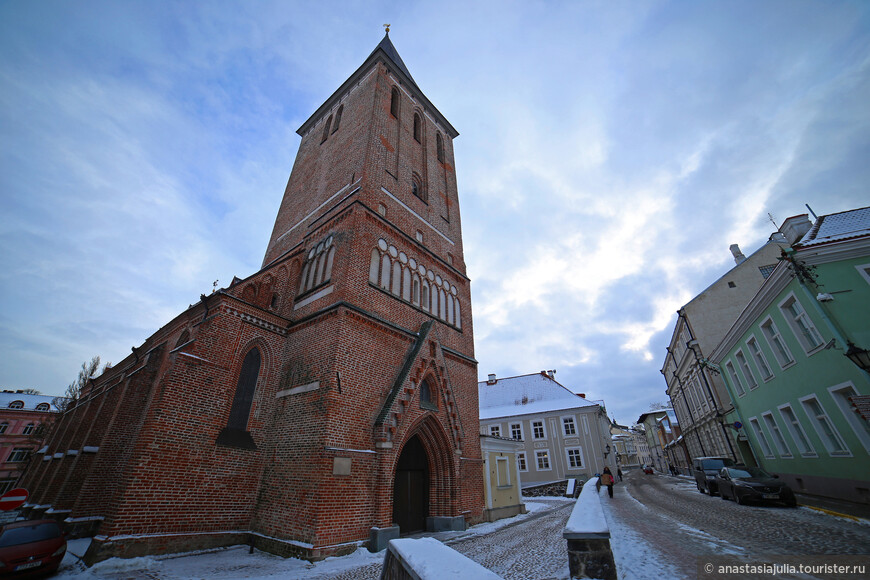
(332, 392)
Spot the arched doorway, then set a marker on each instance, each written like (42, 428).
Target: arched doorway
(411, 488)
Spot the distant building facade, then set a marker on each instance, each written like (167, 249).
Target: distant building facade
(24, 421)
(564, 435)
(802, 403)
(698, 396)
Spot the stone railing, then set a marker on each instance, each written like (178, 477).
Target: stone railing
(588, 536)
(429, 559)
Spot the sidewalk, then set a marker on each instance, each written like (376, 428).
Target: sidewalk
(833, 506)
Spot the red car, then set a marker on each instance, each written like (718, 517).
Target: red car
(647, 469)
(31, 548)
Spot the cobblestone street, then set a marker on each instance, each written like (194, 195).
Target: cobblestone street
(661, 527)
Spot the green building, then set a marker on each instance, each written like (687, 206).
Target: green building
(795, 361)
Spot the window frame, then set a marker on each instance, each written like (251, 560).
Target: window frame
(796, 429)
(776, 434)
(801, 324)
(545, 453)
(817, 420)
(760, 436)
(28, 429)
(743, 362)
(511, 429)
(758, 357)
(568, 451)
(499, 461)
(543, 425)
(858, 424)
(495, 430)
(778, 340)
(735, 378)
(19, 455)
(522, 464)
(573, 421)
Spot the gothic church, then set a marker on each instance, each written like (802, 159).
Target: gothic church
(332, 392)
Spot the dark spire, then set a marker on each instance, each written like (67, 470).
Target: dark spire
(387, 46)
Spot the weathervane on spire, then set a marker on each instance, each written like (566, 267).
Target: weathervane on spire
(387, 27)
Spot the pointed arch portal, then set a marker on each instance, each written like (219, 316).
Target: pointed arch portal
(411, 488)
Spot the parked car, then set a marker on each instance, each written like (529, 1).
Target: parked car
(705, 470)
(748, 484)
(31, 548)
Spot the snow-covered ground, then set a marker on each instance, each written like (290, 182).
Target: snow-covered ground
(635, 557)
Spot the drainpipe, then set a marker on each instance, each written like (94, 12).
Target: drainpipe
(731, 392)
(686, 401)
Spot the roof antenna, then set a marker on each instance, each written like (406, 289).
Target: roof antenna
(770, 217)
(387, 27)
(815, 217)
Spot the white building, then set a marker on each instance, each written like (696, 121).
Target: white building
(564, 435)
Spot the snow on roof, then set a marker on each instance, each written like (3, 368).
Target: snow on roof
(30, 401)
(525, 395)
(837, 227)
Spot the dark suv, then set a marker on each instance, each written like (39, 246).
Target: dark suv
(706, 469)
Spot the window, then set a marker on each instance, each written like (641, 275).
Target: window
(245, 388)
(394, 102)
(3, 426)
(521, 461)
(568, 426)
(337, 118)
(7, 484)
(326, 129)
(797, 431)
(864, 270)
(503, 474)
(735, 379)
(760, 361)
(439, 147)
(426, 394)
(42, 407)
(747, 372)
(575, 457)
(538, 431)
(495, 430)
(826, 430)
(28, 429)
(801, 324)
(842, 395)
(781, 445)
(16, 405)
(542, 458)
(516, 431)
(417, 186)
(419, 236)
(19, 454)
(317, 270)
(417, 128)
(761, 437)
(777, 344)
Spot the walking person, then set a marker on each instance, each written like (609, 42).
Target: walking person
(619, 473)
(607, 479)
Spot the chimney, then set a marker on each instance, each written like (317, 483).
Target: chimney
(491, 380)
(738, 255)
(581, 395)
(552, 374)
(796, 227)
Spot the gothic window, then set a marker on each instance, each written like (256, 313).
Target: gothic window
(427, 395)
(394, 272)
(326, 129)
(394, 103)
(245, 391)
(337, 118)
(439, 147)
(417, 127)
(417, 186)
(317, 270)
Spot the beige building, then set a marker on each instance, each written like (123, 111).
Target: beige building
(699, 396)
(563, 434)
(501, 477)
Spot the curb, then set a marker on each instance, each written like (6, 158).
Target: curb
(832, 513)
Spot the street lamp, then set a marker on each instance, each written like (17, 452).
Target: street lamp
(859, 356)
(606, 451)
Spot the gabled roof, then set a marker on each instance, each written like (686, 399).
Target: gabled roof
(525, 395)
(837, 227)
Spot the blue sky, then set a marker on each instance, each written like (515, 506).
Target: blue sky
(609, 154)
